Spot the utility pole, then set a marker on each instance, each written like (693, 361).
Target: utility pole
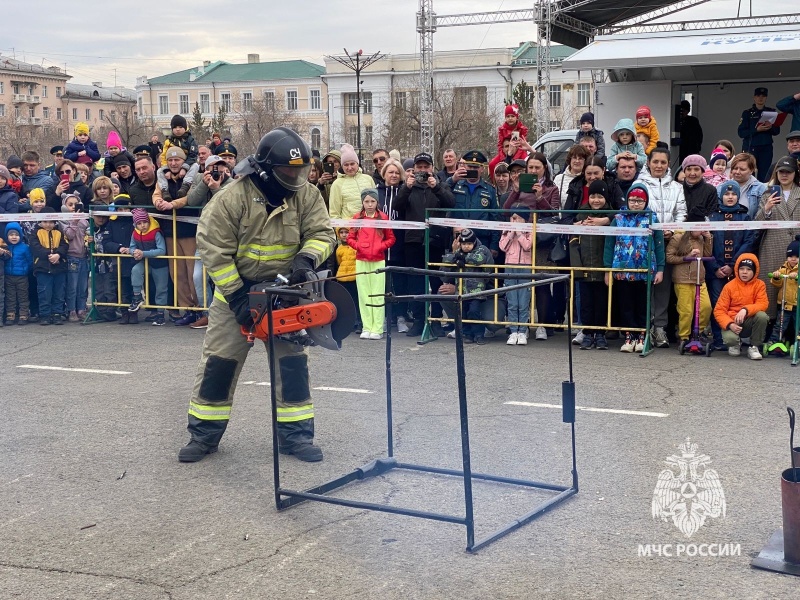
(356, 63)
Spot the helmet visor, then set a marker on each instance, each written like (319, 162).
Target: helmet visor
(292, 178)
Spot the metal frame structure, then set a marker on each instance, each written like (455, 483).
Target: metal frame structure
(547, 15)
(286, 498)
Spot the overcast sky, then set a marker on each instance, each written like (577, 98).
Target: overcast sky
(100, 40)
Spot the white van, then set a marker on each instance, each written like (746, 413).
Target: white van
(555, 145)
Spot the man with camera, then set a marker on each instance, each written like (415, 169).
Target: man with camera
(422, 191)
(475, 197)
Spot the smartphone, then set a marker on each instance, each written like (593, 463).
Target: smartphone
(527, 181)
(472, 174)
(515, 135)
(328, 167)
(776, 189)
(65, 178)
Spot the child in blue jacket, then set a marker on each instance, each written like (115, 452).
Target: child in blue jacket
(82, 149)
(727, 246)
(17, 266)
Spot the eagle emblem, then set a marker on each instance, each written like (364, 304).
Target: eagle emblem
(691, 495)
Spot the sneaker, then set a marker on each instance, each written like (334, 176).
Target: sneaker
(660, 338)
(578, 339)
(159, 320)
(136, 304)
(628, 346)
(376, 336)
(512, 339)
(639, 345)
(187, 319)
(364, 335)
(451, 334)
(541, 333)
(57, 320)
(735, 350)
(22, 321)
(587, 342)
(201, 323)
(402, 326)
(174, 315)
(600, 342)
(44, 320)
(488, 333)
(480, 340)
(73, 317)
(753, 353)
(522, 338)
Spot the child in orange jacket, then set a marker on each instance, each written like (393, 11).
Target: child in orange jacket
(646, 124)
(740, 310)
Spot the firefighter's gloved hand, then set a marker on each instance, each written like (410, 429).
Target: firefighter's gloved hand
(302, 266)
(239, 303)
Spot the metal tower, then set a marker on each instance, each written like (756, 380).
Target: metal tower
(426, 26)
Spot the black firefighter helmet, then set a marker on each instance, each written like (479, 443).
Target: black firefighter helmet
(282, 153)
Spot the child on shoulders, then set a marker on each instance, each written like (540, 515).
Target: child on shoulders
(646, 124)
(82, 149)
(587, 129)
(512, 128)
(625, 146)
(715, 174)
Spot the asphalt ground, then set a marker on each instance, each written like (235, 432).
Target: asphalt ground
(96, 505)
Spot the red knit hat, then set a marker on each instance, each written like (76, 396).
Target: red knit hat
(512, 109)
(643, 111)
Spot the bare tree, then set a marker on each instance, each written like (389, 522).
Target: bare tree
(122, 119)
(17, 135)
(252, 118)
(462, 120)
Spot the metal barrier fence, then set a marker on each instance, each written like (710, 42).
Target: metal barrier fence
(535, 227)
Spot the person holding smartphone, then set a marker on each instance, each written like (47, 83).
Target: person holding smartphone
(475, 199)
(780, 202)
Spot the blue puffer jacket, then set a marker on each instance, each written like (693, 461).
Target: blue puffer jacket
(21, 261)
(90, 147)
(39, 180)
(742, 241)
(9, 201)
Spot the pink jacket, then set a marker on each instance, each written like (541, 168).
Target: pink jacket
(517, 247)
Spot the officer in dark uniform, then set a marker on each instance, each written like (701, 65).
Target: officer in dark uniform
(228, 153)
(757, 139)
(142, 150)
(57, 152)
(476, 196)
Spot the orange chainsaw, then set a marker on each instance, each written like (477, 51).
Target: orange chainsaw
(319, 312)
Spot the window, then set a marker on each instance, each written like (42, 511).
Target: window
(74, 114)
(352, 135)
(269, 100)
(113, 114)
(58, 91)
(555, 95)
(316, 138)
(400, 100)
(163, 104)
(530, 95)
(415, 99)
(140, 102)
(183, 102)
(555, 125)
(88, 113)
(291, 99)
(102, 114)
(247, 101)
(2, 110)
(17, 113)
(205, 107)
(15, 88)
(32, 111)
(30, 88)
(584, 94)
(316, 100)
(225, 101)
(2, 87)
(46, 112)
(44, 91)
(352, 104)
(59, 114)
(470, 99)
(368, 136)
(366, 103)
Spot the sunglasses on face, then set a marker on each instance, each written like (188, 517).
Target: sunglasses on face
(65, 172)
(379, 159)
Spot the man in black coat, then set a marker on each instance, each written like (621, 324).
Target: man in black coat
(691, 140)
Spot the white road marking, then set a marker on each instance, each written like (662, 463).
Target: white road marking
(75, 370)
(336, 389)
(615, 411)
(19, 479)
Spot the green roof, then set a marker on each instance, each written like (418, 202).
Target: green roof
(222, 72)
(526, 53)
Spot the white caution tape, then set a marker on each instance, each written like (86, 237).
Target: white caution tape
(122, 213)
(377, 224)
(540, 227)
(726, 225)
(27, 217)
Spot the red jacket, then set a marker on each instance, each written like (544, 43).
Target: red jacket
(370, 243)
(505, 130)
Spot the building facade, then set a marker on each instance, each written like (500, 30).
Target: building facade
(100, 107)
(254, 96)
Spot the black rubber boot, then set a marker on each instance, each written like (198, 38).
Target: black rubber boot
(297, 439)
(205, 439)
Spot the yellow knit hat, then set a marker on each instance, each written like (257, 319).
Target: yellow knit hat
(36, 194)
(81, 128)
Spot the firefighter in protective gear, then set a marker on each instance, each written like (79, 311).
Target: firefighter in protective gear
(269, 222)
